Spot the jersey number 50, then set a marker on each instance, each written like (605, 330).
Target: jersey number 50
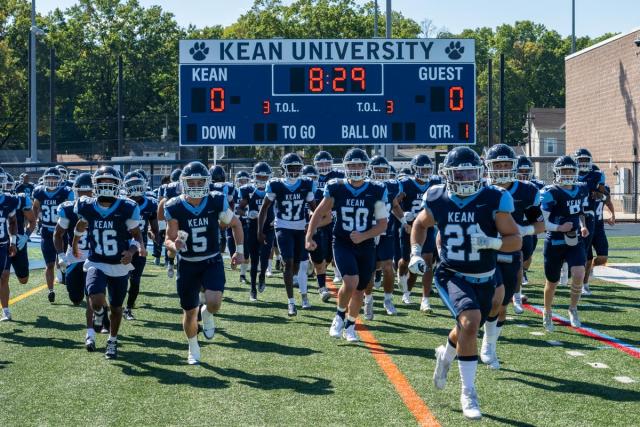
(354, 219)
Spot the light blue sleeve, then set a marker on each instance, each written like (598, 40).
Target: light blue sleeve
(167, 215)
(61, 213)
(225, 204)
(385, 196)
(506, 203)
(136, 213)
(27, 203)
(326, 193)
(536, 198)
(547, 202)
(601, 180)
(72, 196)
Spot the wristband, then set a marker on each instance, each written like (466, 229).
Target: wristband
(527, 230)
(78, 233)
(240, 249)
(416, 249)
(12, 239)
(494, 243)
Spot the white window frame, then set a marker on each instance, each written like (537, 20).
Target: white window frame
(550, 140)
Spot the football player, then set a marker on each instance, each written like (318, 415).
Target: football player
(501, 171)
(242, 178)
(219, 183)
(193, 231)
(111, 225)
(600, 243)
(323, 162)
(24, 185)
(158, 244)
(360, 206)
(166, 193)
(292, 196)
(26, 225)
(379, 170)
(75, 277)
(594, 179)
(251, 198)
(413, 188)
(9, 204)
(563, 205)
(474, 221)
(136, 187)
(64, 175)
(46, 200)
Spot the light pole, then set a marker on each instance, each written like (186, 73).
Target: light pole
(34, 31)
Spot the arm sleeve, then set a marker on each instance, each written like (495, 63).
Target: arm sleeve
(134, 220)
(546, 201)
(380, 210)
(269, 192)
(506, 203)
(226, 216)
(63, 221)
(551, 226)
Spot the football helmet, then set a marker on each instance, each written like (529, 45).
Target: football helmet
(524, 168)
(106, 182)
(565, 171)
(51, 178)
(134, 184)
(310, 172)
(422, 167)
(379, 168)
(291, 165)
(356, 164)
(501, 153)
(82, 183)
(195, 180)
(217, 174)
(463, 171)
(10, 184)
(261, 175)
(323, 162)
(583, 159)
(175, 175)
(242, 178)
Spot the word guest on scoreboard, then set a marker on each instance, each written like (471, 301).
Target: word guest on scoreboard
(295, 92)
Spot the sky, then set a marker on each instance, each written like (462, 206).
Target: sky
(593, 17)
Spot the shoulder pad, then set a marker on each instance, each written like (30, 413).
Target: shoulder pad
(172, 201)
(434, 193)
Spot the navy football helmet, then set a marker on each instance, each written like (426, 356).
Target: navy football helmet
(356, 164)
(584, 160)
(217, 174)
(175, 175)
(134, 184)
(10, 184)
(143, 174)
(505, 156)
(72, 174)
(82, 183)
(310, 172)
(422, 167)
(565, 171)
(524, 167)
(63, 171)
(195, 180)
(242, 178)
(379, 168)
(291, 165)
(323, 162)
(51, 178)
(106, 182)
(261, 175)
(463, 171)
(392, 171)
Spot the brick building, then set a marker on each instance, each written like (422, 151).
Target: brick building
(603, 109)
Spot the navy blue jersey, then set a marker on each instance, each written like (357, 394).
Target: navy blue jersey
(600, 206)
(394, 187)
(108, 228)
(592, 179)
(323, 179)
(49, 202)
(24, 205)
(65, 183)
(354, 208)
(8, 206)
(318, 195)
(525, 196)
(67, 215)
(201, 222)
(412, 201)
(539, 184)
(564, 206)
(458, 218)
(291, 201)
(172, 190)
(148, 212)
(27, 188)
(226, 188)
(254, 198)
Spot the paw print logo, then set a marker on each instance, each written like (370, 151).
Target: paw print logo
(199, 52)
(454, 50)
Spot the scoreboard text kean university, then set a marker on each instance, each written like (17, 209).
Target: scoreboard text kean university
(351, 92)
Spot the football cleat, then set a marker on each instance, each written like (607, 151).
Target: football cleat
(295, 282)
(291, 309)
(337, 280)
(261, 285)
(517, 303)
(525, 280)
(193, 358)
(586, 290)
(112, 350)
(337, 326)
(253, 297)
(406, 298)
(208, 324)
(128, 314)
(390, 308)
(269, 273)
(305, 302)
(488, 354)
(574, 318)
(425, 307)
(442, 369)
(547, 321)
(170, 271)
(368, 310)
(6, 315)
(156, 261)
(470, 405)
(243, 279)
(350, 334)
(52, 296)
(325, 295)
(90, 343)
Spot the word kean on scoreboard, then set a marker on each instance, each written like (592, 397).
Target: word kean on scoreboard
(323, 92)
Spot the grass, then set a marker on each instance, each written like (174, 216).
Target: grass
(263, 368)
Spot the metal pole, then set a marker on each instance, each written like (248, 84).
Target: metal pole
(529, 117)
(52, 105)
(120, 112)
(573, 26)
(502, 98)
(490, 104)
(33, 125)
(375, 19)
(389, 150)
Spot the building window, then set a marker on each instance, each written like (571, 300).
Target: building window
(550, 145)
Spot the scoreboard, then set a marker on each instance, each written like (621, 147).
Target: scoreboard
(324, 92)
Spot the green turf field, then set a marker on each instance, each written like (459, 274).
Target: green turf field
(263, 368)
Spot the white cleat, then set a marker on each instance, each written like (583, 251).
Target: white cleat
(337, 280)
(391, 309)
(488, 355)
(170, 271)
(350, 334)
(547, 321)
(469, 403)
(6, 315)
(368, 310)
(325, 295)
(525, 280)
(574, 318)
(377, 284)
(586, 290)
(442, 369)
(305, 302)
(517, 303)
(208, 325)
(335, 331)
(406, 298)
(425, 307)
(268, 273)
(194, 356)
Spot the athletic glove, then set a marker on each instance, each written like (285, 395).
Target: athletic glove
(253, 214)
(22, 241)
(62, 261)
(183, 236)
(479, 240)
(416, 263)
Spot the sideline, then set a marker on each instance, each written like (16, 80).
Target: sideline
(27, 294)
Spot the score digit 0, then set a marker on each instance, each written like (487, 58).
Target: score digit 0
(217, 99)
